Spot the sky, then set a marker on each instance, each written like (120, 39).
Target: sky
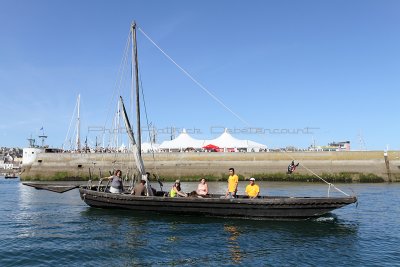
(289, 73)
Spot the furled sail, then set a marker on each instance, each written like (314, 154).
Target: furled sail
(135, 151)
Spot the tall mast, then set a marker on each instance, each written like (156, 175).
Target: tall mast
(118, 125)
(135, 59)
(137, 149)
(78, 125)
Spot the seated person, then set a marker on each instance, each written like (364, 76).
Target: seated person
(202, 188)
(176, 190)
(139, 189)
(252, 190)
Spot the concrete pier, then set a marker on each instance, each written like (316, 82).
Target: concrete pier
(68, 166)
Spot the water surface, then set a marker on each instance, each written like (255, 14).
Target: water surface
(41, 228)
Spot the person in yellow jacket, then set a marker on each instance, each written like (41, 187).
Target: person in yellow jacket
(252, 190)
(233, 182)
(176, 190)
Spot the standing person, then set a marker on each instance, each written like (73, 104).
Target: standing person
(233, 182)
(252, 190)
(116, 182)
(202, 188)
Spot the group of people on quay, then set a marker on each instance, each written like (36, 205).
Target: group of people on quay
(126, 151)
(252, 190)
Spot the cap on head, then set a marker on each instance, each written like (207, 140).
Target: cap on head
(178, 181)
(252, 179)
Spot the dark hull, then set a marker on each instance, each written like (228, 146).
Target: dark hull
(10, 177)
(265, 207)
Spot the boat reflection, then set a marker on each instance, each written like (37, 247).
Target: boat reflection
(233, 244)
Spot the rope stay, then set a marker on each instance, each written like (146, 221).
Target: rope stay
(155, 172)
(118, 82)
(195, 81)
(322, 179)
(225, 106)
(148, 126)
(69, 128)
(116, 91)
(118, 85)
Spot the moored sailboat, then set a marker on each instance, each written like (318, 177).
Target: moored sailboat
(262, 207)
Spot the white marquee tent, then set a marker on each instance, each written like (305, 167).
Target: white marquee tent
(183, 141)
(149, 147)
(225, 141)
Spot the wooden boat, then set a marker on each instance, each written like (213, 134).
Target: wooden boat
(262, 207)
(11, 176)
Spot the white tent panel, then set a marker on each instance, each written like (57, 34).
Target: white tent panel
(149, 147)
(225, 141)
(183, 141)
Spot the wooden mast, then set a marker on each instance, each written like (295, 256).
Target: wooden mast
(135, 58)
(138, 156)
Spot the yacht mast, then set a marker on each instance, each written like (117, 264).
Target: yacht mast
(78, 125)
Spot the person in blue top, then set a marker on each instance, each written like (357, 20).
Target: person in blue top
(116, 182)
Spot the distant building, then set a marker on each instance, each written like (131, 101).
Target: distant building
(345, 145)
(334, 146)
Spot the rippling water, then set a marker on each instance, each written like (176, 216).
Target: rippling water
(41, 228)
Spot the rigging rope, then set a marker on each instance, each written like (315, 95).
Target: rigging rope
(225, 106)
(118, 83)
(116, 92)
(194, 80)
(148, 127)
(70, 124)
(322, 179)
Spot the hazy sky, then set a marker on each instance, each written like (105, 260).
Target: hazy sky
(326, 70)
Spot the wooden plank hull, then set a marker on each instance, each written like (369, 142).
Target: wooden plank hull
(266, 207)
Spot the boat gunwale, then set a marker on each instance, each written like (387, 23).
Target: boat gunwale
(263, 200)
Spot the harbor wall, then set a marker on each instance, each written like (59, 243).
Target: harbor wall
(191, 165)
